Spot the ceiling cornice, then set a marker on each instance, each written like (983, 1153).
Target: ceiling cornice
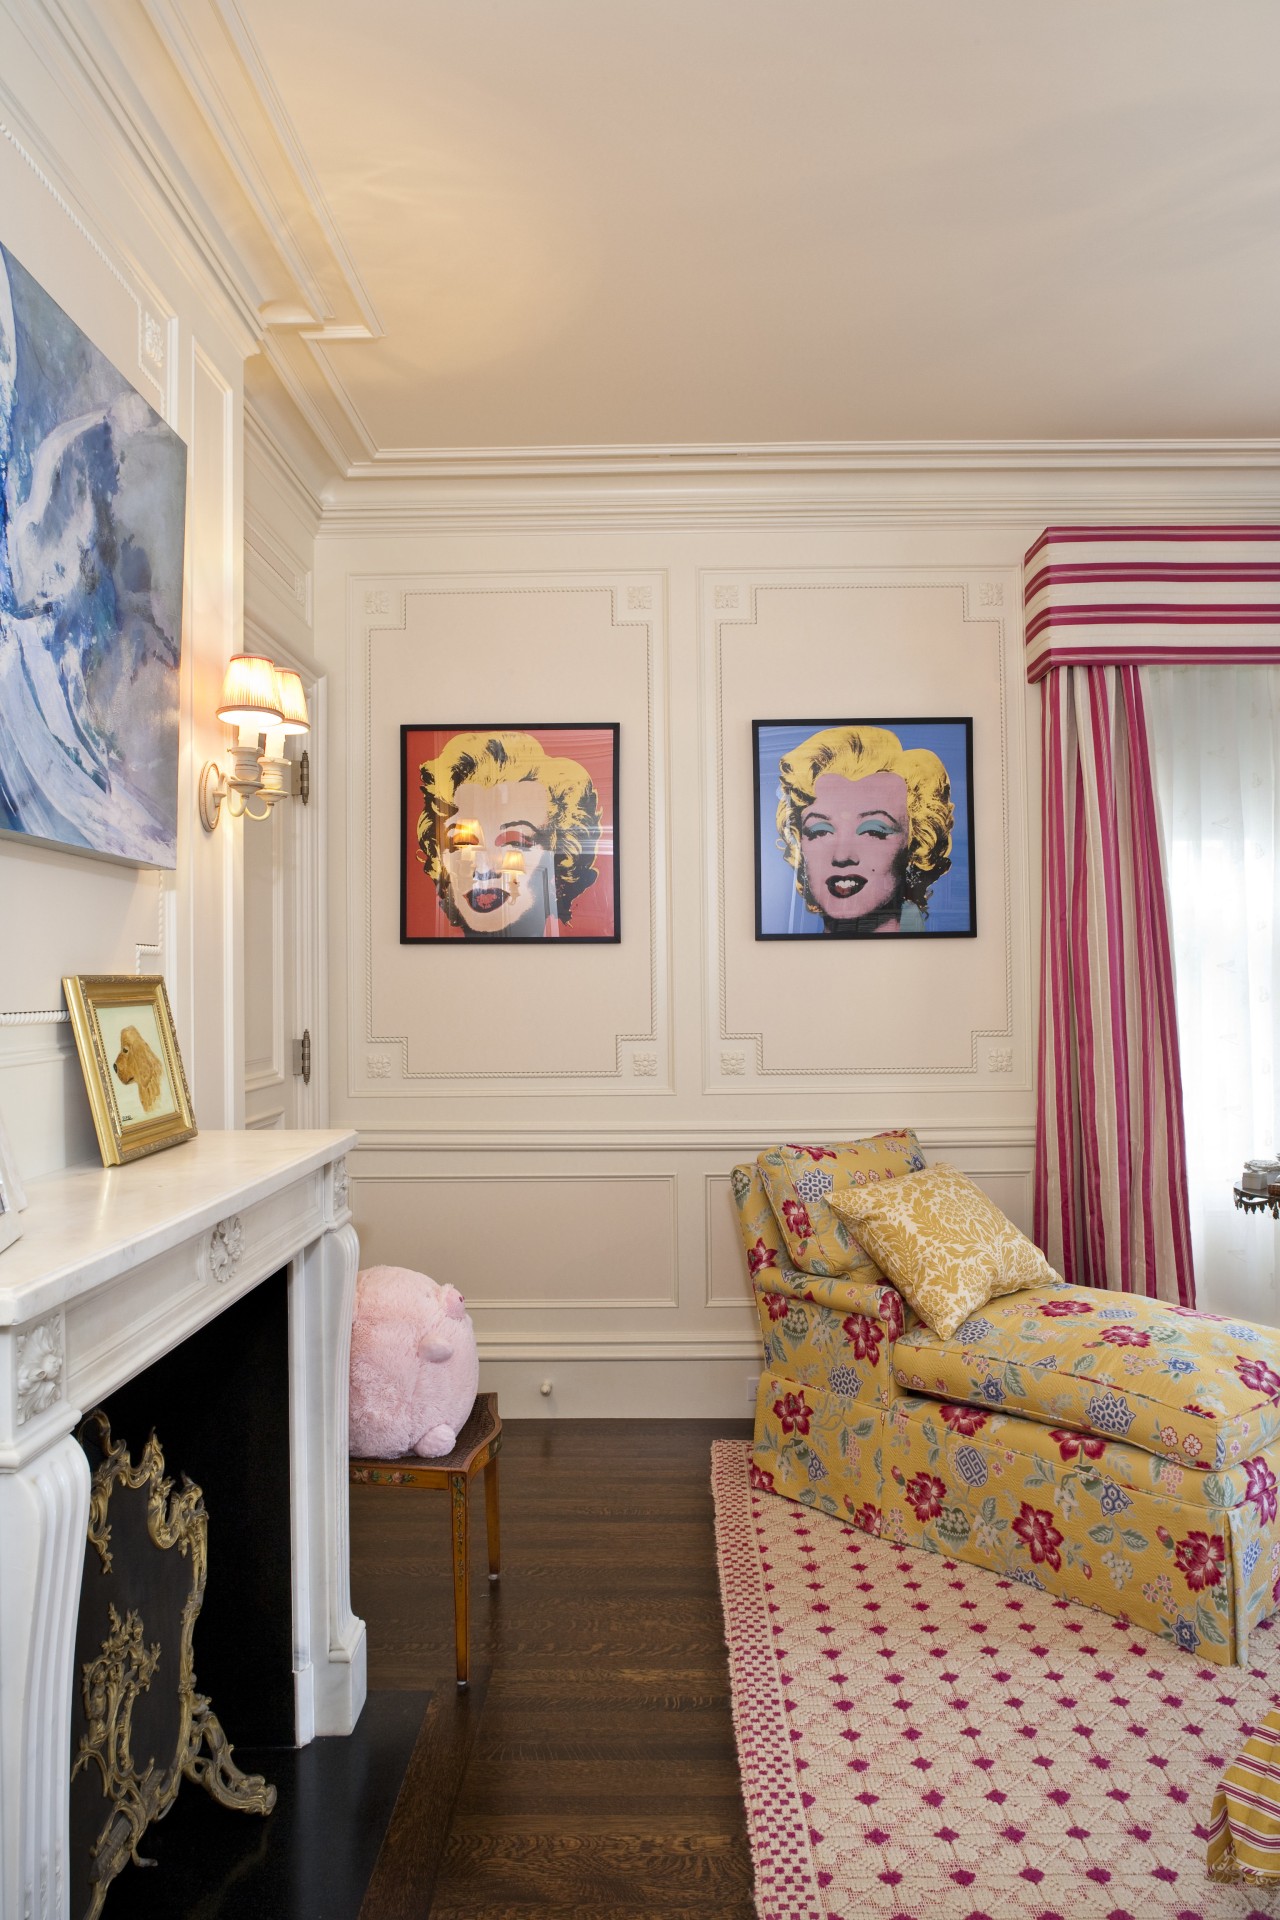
(287, 282)
(228, 77)
(315, 294)
(91, 69)
(823, 456)
(908, 482)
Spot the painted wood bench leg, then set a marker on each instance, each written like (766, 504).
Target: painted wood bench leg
(458, 1500)
(491, 1516)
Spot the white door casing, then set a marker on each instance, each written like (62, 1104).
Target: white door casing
(283, 950)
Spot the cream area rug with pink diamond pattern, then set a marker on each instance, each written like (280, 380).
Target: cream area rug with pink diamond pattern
(920, 1740)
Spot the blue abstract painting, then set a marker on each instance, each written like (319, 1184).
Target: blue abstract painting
(92, 519)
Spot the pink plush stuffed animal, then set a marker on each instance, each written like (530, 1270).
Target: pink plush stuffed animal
(414, 1370)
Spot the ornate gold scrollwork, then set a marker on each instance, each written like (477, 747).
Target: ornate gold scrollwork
(125, 1667)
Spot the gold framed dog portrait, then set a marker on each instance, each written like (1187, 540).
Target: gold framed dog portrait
(132, 1068)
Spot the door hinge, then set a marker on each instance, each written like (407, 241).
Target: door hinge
(302, 1058)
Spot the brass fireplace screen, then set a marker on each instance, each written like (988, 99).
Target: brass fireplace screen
(139, 1727)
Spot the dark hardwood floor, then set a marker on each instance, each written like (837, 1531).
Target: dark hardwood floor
(590, 1771)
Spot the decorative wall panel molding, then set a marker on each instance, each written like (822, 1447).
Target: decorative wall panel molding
(276, 465)
(264, 883)
(873, 643)
(967, 1140)
(284, 574)
(154, 326)
(580, 1242)
(727, 1281)
(574, 1263)
(544, 1348)
(491, 1018)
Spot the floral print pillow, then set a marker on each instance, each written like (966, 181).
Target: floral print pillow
(800, 1182)
(943, 1243)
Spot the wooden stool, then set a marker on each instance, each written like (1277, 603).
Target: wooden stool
(477, 1446)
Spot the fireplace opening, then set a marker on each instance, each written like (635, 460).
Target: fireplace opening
(219, 1405)
(191, 1491)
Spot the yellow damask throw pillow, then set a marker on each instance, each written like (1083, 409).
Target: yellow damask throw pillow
(944, 1244)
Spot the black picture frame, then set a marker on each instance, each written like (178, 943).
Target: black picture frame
(788, 903)
(560, 880)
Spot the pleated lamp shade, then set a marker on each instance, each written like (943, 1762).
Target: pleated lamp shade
(292, 700)
(249, 694)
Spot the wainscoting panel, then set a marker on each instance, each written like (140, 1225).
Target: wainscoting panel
(727, 1281)
(616, 1278)
(554, 1129)
(875, 644)
(529, 1242)
(559, 1017)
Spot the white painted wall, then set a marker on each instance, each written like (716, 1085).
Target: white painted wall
(89, 209)
(552, 1129)
(80, 214)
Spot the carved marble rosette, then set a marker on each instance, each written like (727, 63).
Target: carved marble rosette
(40, 1365)
(226, 1245)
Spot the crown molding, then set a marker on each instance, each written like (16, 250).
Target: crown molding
(285, 282)
(300, 372)
(318, 295)
(816, 456)
(212, 48)
(1022, 482)
(91, 69)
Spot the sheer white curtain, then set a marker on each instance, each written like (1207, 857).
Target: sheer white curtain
(1215, 742)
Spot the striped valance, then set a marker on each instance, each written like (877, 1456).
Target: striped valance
(1122, 596)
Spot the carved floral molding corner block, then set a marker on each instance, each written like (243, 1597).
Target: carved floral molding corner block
(40, 1365)
(340, 1186)
(226, 1245)
(153, 341)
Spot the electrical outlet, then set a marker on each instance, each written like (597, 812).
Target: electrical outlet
(753, 1384)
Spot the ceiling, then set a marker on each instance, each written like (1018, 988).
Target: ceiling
(512, 224)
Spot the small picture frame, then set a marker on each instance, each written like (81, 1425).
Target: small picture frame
(132, 1068)
(12, 1197)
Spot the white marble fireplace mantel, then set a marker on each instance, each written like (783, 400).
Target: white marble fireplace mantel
(117, 1266)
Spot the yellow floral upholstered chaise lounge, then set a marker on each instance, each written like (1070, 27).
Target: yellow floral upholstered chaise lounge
(1101, 1446)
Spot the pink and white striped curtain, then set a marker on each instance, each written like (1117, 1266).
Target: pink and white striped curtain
(1102, 603)
(1110, 1175)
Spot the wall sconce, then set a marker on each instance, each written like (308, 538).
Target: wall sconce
(259, 698)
